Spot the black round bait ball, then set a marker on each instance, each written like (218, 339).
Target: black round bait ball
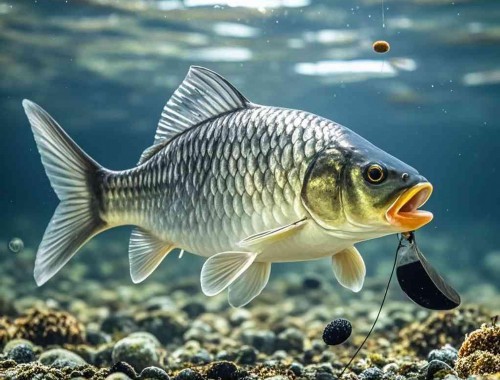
(381, 46)
(337, 331)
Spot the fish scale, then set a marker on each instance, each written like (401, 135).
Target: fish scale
(193, 193)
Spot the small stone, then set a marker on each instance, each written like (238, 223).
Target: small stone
(188, 374)
(96, 338)
(222, 371)
(324, 376)
(446, 354)
(291, 339)
(194, 309)
(21, 353)
(337, 331)
(372, 373)
(264, 340)
(311, 283)
(296, 368)
(139, 352)
(247, 355)
(153, 373)
(391, 367)
(122, 367)
(436, 366)
(60, 358)
(201, 357)
(118, 376)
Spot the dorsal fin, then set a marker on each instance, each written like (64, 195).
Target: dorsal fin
(202, 95)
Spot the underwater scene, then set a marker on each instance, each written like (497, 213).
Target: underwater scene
(235, 189)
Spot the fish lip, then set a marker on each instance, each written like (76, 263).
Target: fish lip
(404, 213)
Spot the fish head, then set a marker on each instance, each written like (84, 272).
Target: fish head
(365, 192)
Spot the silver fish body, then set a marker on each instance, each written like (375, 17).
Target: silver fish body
(224, 180)
(241, 184)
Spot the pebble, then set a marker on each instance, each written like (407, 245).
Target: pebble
(188, 374)
(447, 354)
(436, 366)
(138, 351)
(247, 355)
(153, 373)
(311, 283)
(194, 309)
(372, 373)
(118, 376)
(125, 368)
(21, 353)
(296, 368)
(60, 357)
(291, 339)
(222, 371)
(201, 357)
(264, 341)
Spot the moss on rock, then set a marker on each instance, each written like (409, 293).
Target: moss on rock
(48, 327)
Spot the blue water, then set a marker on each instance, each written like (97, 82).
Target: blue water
(104, 70)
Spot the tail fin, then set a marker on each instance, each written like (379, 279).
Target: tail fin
(73, 175)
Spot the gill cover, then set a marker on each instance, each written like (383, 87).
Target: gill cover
(321, 190)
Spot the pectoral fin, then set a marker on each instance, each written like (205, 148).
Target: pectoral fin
(146, 252)
(249, 285)
(222, 269)
(349, 268)
(271, 236)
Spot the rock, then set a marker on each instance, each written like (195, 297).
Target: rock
(15, 342)
(247, 355)
(188, 374)
(264, 340)
(436, 366)
(311, 283)
(119, 323)
(21, 353)
(238, 316)
(138, 351)
(167, 326)
(296, 368)
(478, 363)
(446, 354)
(125, 368)
(96, 338)
(118, 376)
(480, 352)
(291, 339)
(222, 371)
(49, 327)
(194, 309)
(201, 357)
(372, 373)
(153, 373)
(391, 367)
(59, 358)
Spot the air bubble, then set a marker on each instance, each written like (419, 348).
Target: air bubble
(16, 245)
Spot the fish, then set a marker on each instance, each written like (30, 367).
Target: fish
(243, 185)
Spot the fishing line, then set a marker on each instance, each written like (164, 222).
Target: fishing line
(379, 310)
(383, 15)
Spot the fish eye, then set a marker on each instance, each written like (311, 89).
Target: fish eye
(375, 173)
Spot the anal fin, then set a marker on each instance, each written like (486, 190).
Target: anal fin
(146, 252)
(222, 269)
(349, 268)
(249, 285)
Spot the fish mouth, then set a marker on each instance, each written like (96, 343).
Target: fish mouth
(404, 214)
